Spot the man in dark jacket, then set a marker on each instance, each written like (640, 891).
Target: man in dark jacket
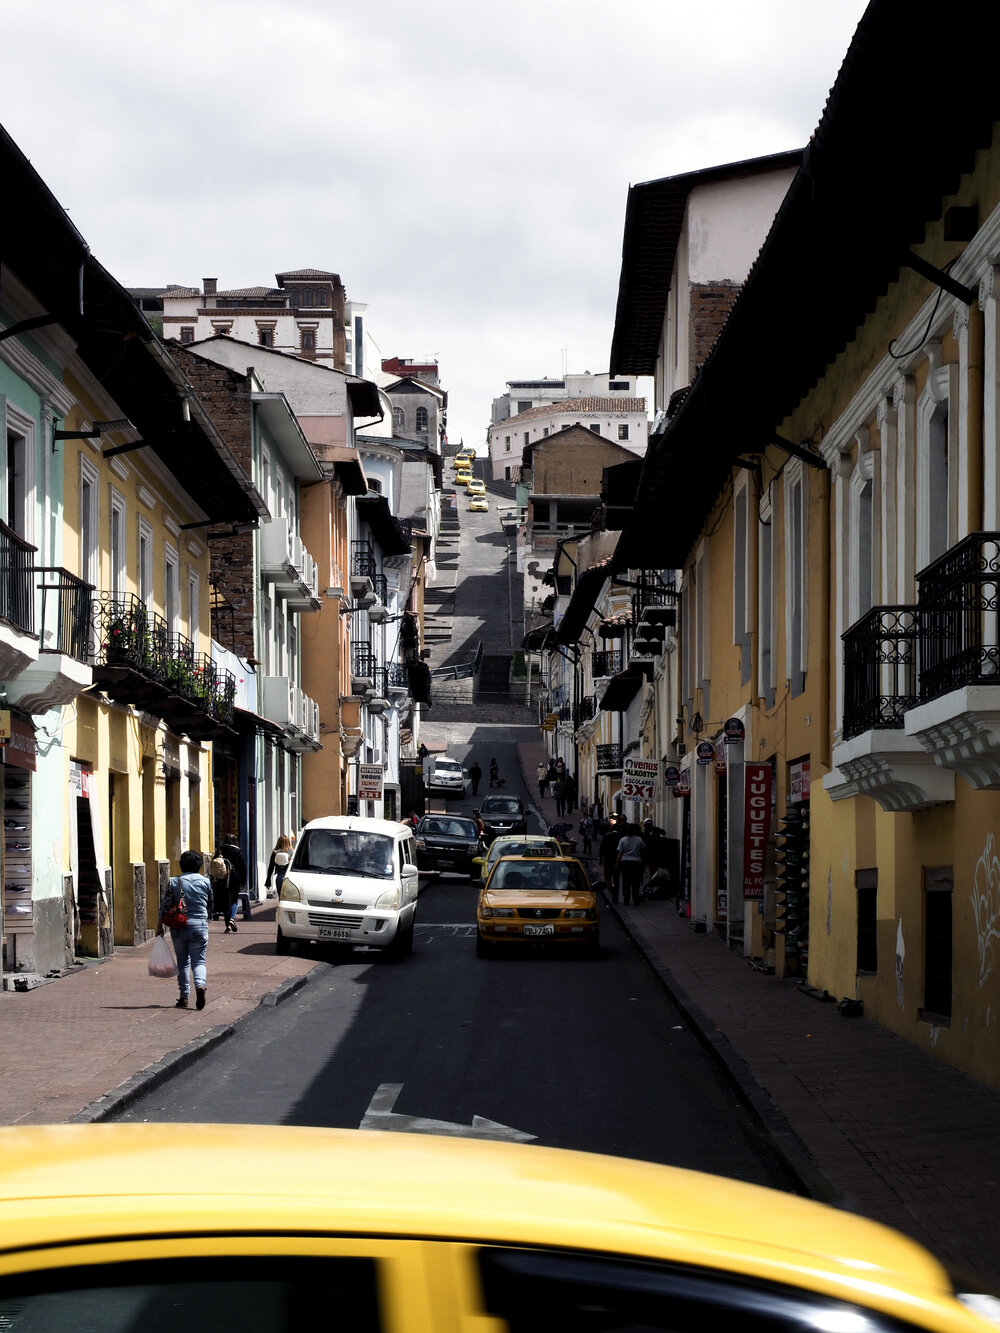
(227, 891)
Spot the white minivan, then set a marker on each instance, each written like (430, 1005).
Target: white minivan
(350, 881)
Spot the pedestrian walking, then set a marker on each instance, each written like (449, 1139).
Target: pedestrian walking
(476, 777)
(570, 792)
(542, 774)
(630, 860)
(278, 865)
(559, 792)
(552, 773)
(494, 774)
(608, 852)
(228, 880)
(560, 767)
(587, 833)
(190, 894)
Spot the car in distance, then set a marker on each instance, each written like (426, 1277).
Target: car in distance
(537, 900)
(480, 504)
(463, 477)
(108, 1226)
(350, 881)
(445, 775)
(448, 842)
(502, 814)
(524, 844)
(476, 488)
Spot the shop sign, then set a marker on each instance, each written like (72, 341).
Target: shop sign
(733, 731)
(798, 782)
(671, 775)
(720, 758)
(705, 753)
(20, 749)
(640, 779)
(756, 828)
(370, 782)
(683, 787)
(4, 725)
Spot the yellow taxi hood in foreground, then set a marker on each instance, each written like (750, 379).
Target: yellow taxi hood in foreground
(80, 1183)
(568, 899)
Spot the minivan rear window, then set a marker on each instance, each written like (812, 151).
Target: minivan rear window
(328, 851)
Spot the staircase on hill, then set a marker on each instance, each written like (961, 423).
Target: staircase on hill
(494, 674)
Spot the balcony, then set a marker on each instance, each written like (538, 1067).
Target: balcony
(654, 603)
(609, 758)
(285, 563)
(377, 698)
(922, 687)
(284, 704)
(584, 710)
(18, 640)
(362, 668)
(648, 640)
(397, 680)
(61, 670)
(364, 569)
(604, 665)
(135, 659)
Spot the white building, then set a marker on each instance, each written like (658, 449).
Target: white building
(620, 418)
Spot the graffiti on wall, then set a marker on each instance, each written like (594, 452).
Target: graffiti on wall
(986, 907)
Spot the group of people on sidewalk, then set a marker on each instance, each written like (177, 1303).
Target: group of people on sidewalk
(193, 897)
(556, 776)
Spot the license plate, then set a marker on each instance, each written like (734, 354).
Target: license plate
(540, 930)
(446, 864)
(332, 933)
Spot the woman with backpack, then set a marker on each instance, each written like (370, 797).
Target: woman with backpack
(228, 872)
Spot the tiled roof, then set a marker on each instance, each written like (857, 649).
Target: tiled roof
(184, 292)
(567, 406)
(245, 293)
(306, 273)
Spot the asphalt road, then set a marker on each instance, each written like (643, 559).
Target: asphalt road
(569, 1052)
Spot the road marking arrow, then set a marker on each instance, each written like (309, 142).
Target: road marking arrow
(380, 1115)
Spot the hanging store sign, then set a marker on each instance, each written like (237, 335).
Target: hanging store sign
(640, 779)
(734, 731)
(720, 758)
(756, 828)
(370, 782)
(798, 782)
(20, 748)
(705, 753)
(671, 775)
(683, 787)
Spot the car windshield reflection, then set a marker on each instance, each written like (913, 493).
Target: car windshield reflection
(541, 878)
(344, 852)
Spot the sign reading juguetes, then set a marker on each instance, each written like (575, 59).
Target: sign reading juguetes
(756, 828)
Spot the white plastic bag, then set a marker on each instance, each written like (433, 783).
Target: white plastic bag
(161, 959)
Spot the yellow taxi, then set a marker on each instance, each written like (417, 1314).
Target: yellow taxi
(275, 1228)
(480, 504)
(463, 477)
(537, 900)
(518, 844)
(477, 488)
(463, 460)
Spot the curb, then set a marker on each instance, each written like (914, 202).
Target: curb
(175, 1062)
(774, 1128)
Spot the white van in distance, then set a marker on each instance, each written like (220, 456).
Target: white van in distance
(350, 881)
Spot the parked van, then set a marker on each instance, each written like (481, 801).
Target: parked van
(350, 881)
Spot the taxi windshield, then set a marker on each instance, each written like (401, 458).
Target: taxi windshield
(538, 876)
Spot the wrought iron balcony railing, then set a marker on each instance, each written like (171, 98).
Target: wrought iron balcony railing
(363, 562)
(65, 617)
(604, 664)
(880, 669)
(584, 710)
(17, 602)
(399, 677)
(609, 758)
(958, 597)
(363, 663)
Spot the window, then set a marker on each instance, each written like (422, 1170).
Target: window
(117, 543)
(623, 432)
(187, 333)
(193, 603)
(540, 513)
(398, 419)
(742, 587)
(766, 592)
(171, 588)
(421, 418)
(545, 431)
(506, 444)
(937, 449)
(89, 540)
(144, 577)
(596, 429)
(866, 882)
(938, 885)
(795, 578)
(527, 436)
(307, 340)
(506, 474)
(618, 386)
(265, 337)
(223, 330)
(20, 478)
(524, 406)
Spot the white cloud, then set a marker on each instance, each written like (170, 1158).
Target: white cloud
(463, 166)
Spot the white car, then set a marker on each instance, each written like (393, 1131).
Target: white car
(444, 774)
(350, 881)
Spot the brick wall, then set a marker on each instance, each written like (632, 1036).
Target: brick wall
(225, 396)
(710, 307)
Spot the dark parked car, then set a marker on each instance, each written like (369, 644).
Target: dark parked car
(501, 815)
(446, 842)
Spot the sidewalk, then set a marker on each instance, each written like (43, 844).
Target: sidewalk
(862, 1118)
(66, 1045)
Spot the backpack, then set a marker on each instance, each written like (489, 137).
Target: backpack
(219, 868)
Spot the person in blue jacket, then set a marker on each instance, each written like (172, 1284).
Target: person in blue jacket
(190, 941)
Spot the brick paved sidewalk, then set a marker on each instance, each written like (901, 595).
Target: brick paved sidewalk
(863, 1118)
(68, 1043)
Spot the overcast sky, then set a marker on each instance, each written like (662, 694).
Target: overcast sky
(462, 165)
